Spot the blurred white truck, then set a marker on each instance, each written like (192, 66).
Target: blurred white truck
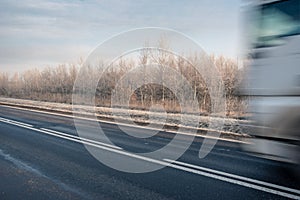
(272, 80)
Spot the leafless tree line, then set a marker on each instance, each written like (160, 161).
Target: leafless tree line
(55, 84)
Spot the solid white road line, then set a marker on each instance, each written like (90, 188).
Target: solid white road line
(62, 135)
(237, 182)
(235, 176)
(20, 125)
(128, 125)
(12, 121)
(176, 166)
(81, 138)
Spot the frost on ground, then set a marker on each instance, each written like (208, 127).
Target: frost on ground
(228, 127)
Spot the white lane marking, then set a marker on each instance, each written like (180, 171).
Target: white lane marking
(235, 176)
(20, 123)
(123, 124)
(63, 135)
(237, 182)
(175, 166)
(3, 119)
(81, 138)
(16, 122)
(71, 139)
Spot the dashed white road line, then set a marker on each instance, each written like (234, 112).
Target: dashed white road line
(235, 176)
(61, 135)
(236, 182)
(222, 176)
(82, 139)
(14, 122)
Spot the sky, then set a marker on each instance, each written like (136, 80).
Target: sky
(35, 33)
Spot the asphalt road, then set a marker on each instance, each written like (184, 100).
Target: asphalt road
(42, 157)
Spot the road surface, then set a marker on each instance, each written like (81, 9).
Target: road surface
(42, 157)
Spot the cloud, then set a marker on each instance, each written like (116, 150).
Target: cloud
(56, 25)
(16, 59)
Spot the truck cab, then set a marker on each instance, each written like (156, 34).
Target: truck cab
(272, 81)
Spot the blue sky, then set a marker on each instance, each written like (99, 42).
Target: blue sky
(36, 33)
